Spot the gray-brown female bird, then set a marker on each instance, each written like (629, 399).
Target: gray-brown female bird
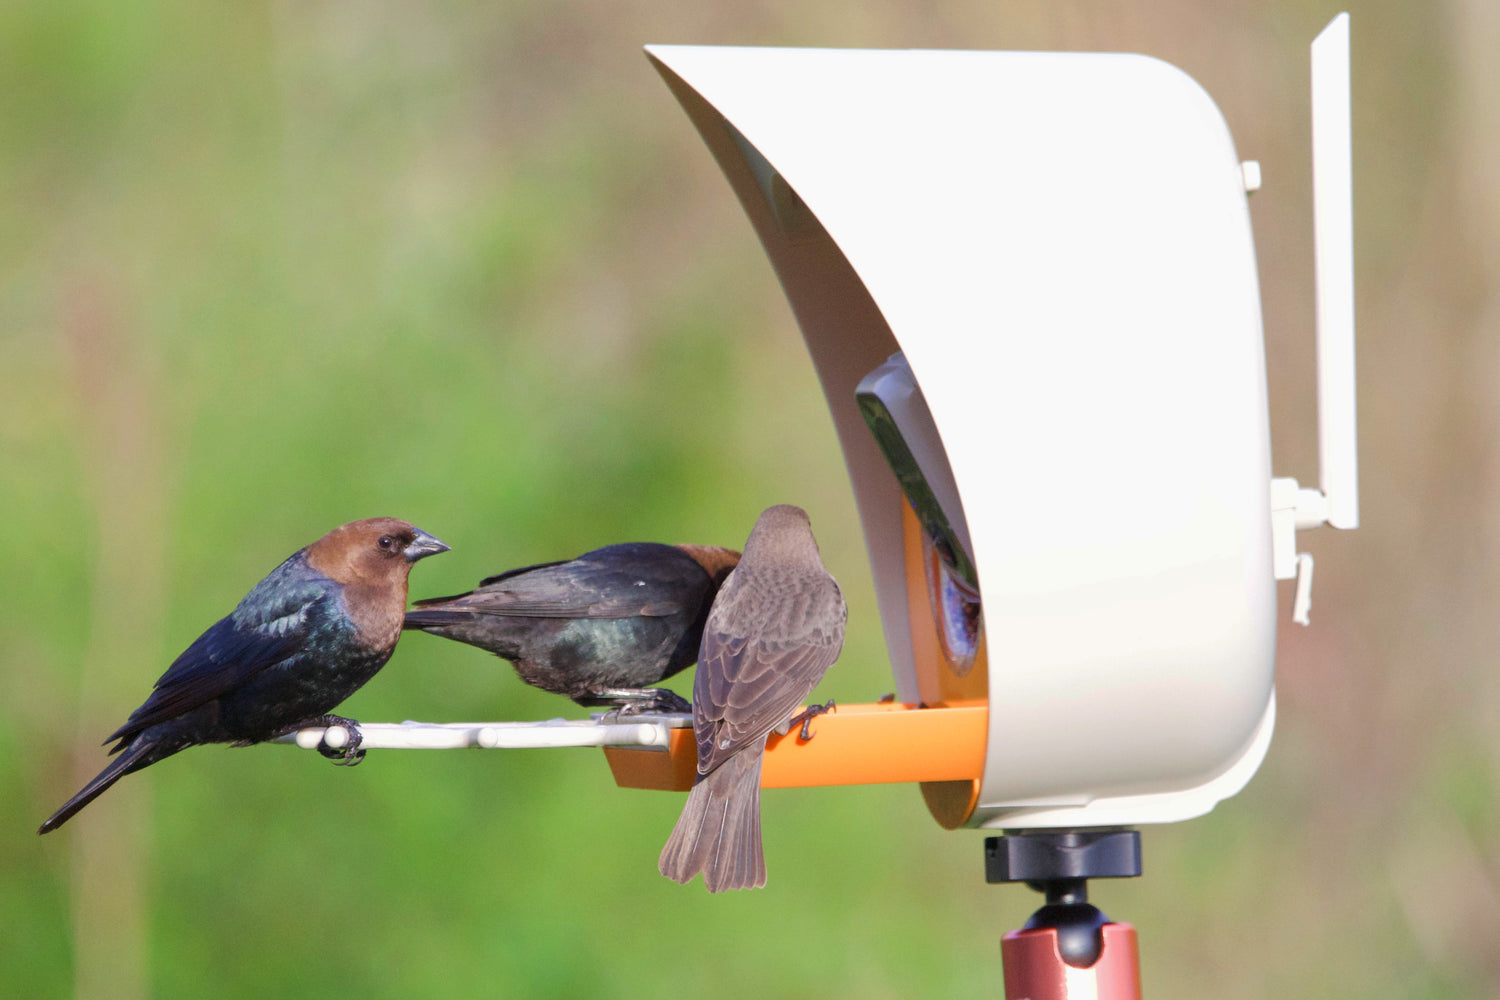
(775, 628)
(304, 639)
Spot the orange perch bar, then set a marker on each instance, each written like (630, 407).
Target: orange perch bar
(853, 745)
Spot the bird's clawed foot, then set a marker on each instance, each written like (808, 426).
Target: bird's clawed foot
(639, 701)
(341, 739)
(661, 701)
(806, 716)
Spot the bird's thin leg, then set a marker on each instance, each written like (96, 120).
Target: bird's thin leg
(806, 716)
(345, 756)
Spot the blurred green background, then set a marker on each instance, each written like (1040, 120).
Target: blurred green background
(265, 268)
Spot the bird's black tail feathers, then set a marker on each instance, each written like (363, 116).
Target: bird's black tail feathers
(718, 832)
(421, 618)
(134, 756)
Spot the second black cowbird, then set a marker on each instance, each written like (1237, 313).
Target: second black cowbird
(304, 639)
(776, 627)
(599, 629)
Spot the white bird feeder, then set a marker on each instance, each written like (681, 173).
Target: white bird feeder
(1038, 268)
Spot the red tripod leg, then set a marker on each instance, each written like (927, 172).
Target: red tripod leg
(1035, 970)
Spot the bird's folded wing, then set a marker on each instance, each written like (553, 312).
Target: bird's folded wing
(745, 688)
(560, 590)
(233, 650)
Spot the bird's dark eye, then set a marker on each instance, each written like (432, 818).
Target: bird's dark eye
(386, 541)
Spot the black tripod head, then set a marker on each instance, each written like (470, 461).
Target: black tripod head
(1058, 864)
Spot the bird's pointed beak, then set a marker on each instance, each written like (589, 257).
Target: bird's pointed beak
(422, 546)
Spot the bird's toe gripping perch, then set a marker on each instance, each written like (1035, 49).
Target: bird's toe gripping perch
(335, 737)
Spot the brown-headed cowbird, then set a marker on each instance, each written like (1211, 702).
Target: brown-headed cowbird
(776, 627)
(304, 639)
(600, 628)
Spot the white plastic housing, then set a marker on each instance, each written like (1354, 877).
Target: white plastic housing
(1060, 244)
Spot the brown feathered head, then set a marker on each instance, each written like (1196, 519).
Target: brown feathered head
(783, 534)
(377, 550)
(716, 561)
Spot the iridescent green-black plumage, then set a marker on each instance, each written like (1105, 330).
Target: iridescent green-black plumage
(305, 638)
(599, 628)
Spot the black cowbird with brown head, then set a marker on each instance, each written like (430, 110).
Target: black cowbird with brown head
(304, 639)
(776, 627)
(599, 629)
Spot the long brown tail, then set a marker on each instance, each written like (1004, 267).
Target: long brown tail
(718, 832)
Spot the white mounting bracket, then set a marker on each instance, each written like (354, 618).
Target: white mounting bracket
(1294, 508)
